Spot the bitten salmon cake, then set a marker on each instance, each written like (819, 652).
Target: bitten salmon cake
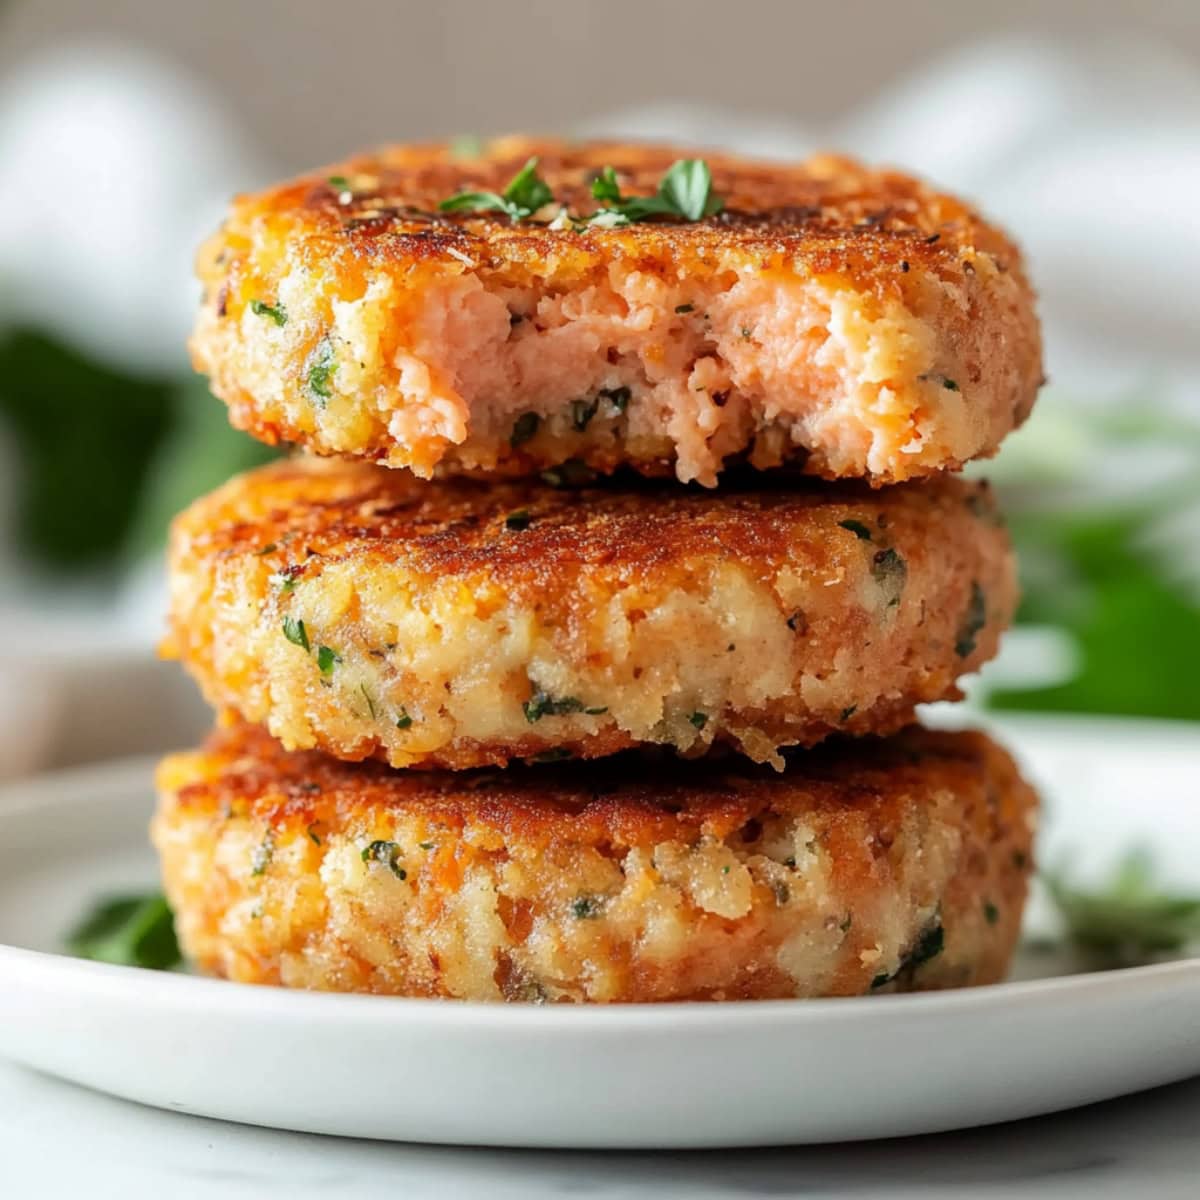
(867, 866)
(541, 301)
(366, 613)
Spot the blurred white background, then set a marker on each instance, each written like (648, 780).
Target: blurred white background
(125, 126)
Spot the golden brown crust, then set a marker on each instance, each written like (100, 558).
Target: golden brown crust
(919, 264)
(773, 613)
(825, 879)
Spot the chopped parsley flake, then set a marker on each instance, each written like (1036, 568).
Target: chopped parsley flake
(698, 720)
(974, 619)
(314, 836)
(130, 931)
(427, 845)
(362, 687)
(525, 194)
(582, 412)
(321, 366)
(847, 713)
(518, 520)
(857, 528)
(276, 312)
(587, 907)
(403, 721)
(327, 659)
(991, 914)
(890, 571)
(295, 633)
(571, 473)
(339, 183)
(685, 308)
(263, 854)
(798, 622)
(284, 582)
(541, 704)
(387, 853)
(269, 548)
(525, 426)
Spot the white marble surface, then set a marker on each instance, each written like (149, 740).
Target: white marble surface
(57, 1140)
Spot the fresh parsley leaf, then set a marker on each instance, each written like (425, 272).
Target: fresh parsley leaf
(327, 659)
(295, 632)
(526, 193)
(403, 720)
(130, 931)
(618, 397)
(684, 192)
(276, 312)
(698, 720)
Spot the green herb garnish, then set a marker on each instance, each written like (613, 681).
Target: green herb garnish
(928, 946)
(327, 659)
(525, 194)
(339, 183)
(582, 412)
(517, 521)
(685, 192)
(541, 704)
(264, 852)
(130, 931)
(681, 309)
(403, 721)
(991, 914)
(362, 687)
(294, 631)
(698, 720)
(587, 907)
(525, 426)
(847, 713)
(313, 835)
(974, 619)
(1130, 920)
(890, 571)
(276, 312)
(571, 473)
(387, 853)
(321, 367)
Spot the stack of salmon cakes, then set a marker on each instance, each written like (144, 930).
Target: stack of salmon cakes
(576, 655)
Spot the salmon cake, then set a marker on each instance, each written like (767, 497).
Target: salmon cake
(363, 612)
(539, 301)
(865, 867)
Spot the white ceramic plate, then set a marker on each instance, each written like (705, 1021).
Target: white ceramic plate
(634, 1076)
